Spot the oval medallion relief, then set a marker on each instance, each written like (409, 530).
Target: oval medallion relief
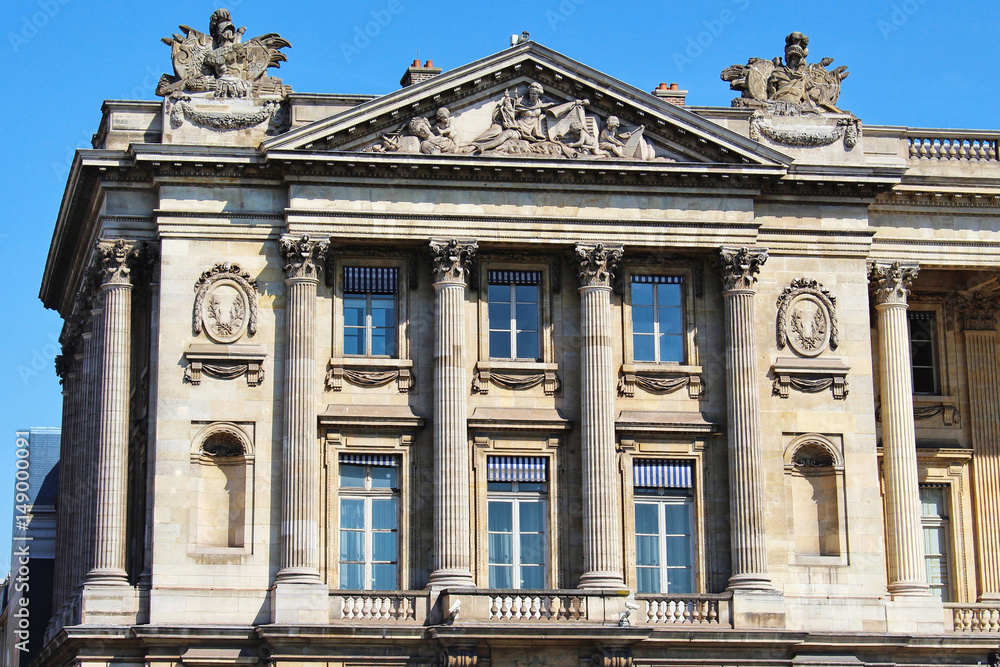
(225, 312)
(808, 325)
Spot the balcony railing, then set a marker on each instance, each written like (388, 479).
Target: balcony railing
(539, 606)
(379, 606)
(686, 610)
(940, 145)
(974, 617)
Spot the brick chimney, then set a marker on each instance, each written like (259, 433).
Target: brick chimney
(671, 94)
(416, 73)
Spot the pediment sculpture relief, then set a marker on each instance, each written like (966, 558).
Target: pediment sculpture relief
(522, 125)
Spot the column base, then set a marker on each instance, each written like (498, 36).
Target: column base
(115, 604)
(298, 575)
(300, 603)
(758, 609)
(604, 580)
(908, 589)
(454, 578)
(107, 577)
(750, 582)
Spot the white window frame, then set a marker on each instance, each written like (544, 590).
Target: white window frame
(515, 497)
(657, 353)
(661, 499)
(513, 327)
(368, 327)
(935, 344)
(689, 308)
(942, 522)
(367, 495)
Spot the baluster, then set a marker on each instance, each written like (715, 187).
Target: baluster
(366, 610)
(650, 611)
(913, 148)
(981, 151)
(522, 606)
(494, 606)
(923, 149)
(952, 152)
(994, 620)
(346, 610)
(535, 607)
(552, 606)
(687, 612)
(505, 606)
(713, 611)
(411, 608)
(698, 611)
(963, 149)
(992, 150)
(385, 608)
(359, 604)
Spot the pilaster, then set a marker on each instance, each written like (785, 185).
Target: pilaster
(452, 557)
(890, 284)
(602, 526)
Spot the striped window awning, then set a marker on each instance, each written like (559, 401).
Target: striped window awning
(662, 280)
(920, 314)
(662, 474)
(514, 277)
(387, 460)
(516, 468)
(376, 280)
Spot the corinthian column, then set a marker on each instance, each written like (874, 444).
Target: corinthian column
(113, 417)
(739, 268)
(452, 561)
(300, 451)
(602, 524)
(979, 315)
(904, 536)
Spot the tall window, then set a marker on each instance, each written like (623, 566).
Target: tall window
(514, 314)
(923, 353)
(370, 311)
(517, 526)
(369, 522)
(664, 526)
(934, 519)
(658, 318)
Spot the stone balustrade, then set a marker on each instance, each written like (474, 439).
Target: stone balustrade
(710, 610)
(538, 606)
(973, 617)
(935, 145)
(379, 606)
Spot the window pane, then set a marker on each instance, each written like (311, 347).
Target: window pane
(500, 344)
(648, 580)
(499, 486)
(527, 316)
(645, 519)
(533, 577)
(384, 576)
(923, 381)
(935, 541)
(642, 319)
(500, 518)
(501, 550)
(932, 501)
(354, 310)
(922, 354)
(679, 581)
(354, 341)
(526, 293)
(647, 550)
(352, 545)
(500, 577)
(532, 549)
(534, 487)
(352, 476)
(527, 345)
(384, 477)
(383, 310)
(668, 294)
(383, 342)
(352, 513)
(671, 320)
(352, 576)
(678, 551)
(643, 348)
(499, 293)
(642, 294)
(384, 547)
(677, 519)
(499, 316)
(384, 514)
(532, 517)
(672, 348)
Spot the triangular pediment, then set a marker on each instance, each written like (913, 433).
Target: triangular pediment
(494, 111)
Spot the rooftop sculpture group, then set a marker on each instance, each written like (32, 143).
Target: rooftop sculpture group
(523, 125)
(791, 87)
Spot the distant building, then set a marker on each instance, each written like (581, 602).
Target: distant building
(27, 594)
(520, 365)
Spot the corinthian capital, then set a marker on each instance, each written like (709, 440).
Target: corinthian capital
(117, 259)
(890, 281)
(303, 256)
(452, 259)
(979, 312)
(739, 267)
(598, 263)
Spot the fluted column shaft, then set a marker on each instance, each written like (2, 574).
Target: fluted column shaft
(984, 403)
(904, 534)
(89, 469)
(300, 453)
(452, 558)
(602, 506)
(66, 512)
(112, 441)
(739, 268)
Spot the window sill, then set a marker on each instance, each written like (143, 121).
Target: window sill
(370, 372)
(515, 374)
(662, 378)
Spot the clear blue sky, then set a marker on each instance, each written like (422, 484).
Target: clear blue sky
(921, 63)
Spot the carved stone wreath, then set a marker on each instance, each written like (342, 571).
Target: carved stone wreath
(807, 318)
(225, 304)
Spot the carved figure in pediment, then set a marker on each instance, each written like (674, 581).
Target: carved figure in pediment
(222, 63)
(791, 87)
(625, 144)
(516, 118)
(419, 136)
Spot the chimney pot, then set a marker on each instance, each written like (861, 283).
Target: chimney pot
(673, 86)
(416, 63)
(662, 86)
(429, 63)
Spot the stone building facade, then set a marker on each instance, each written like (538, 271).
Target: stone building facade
(519, 364)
